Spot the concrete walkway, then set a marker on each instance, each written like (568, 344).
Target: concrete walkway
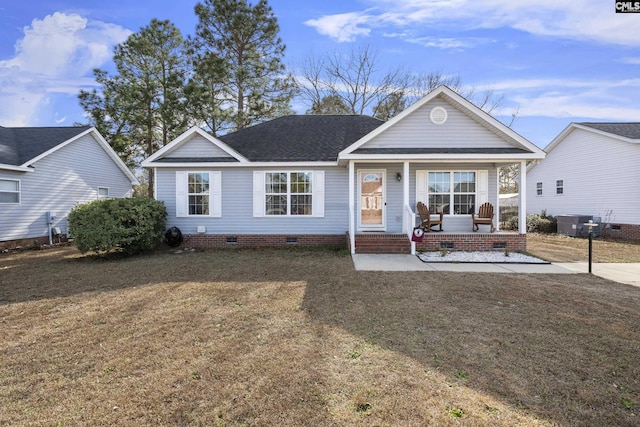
(628, 273)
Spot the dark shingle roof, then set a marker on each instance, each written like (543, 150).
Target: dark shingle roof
(19, 145)
(627, 130)
(300, 138)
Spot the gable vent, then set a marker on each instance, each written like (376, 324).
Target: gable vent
(438, 115)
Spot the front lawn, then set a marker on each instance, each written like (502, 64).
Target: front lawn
(558, 248)
(298, 337)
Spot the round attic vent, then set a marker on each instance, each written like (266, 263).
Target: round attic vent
(438, 115)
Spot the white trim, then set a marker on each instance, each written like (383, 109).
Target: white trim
(443, 156)
(481, 115)
(19, 192)
(101, 196)
(180, 140)
(13, 168)
(101, 141)
(240, 165)
(182, 194)
(522, 190)
(383, 201)
(352, 219)
(481, 192)
(317, 193)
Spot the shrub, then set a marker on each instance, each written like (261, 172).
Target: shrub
(542, 223)
(129, 225)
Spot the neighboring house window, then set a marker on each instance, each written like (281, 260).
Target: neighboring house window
(103, 192)
(283, 193)
(452, 188)
(199, 193)
(9, 191)
(560, 186)
(539, 188)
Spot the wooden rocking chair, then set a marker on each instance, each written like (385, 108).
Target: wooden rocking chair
(427, 219)
(484, 216)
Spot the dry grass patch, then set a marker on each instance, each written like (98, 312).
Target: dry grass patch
(558, 248)
(292, 338)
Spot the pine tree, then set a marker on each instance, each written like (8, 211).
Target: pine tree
(236, 45)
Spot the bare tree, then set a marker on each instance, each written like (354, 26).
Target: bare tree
(354, 79)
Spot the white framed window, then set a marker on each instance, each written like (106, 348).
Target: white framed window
(560, 186)
(198, 193)
(538, 188)
(103, 192)
(452, 192)
(9, 191)
(288, 193)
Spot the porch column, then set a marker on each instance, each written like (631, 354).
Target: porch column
(405, 195)
(522, 192)
(352, 218)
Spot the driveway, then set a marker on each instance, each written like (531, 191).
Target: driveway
(628, 273)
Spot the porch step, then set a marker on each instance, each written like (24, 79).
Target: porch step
(382, 243)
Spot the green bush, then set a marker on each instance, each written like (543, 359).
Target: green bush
(129, 225)
(542, 223)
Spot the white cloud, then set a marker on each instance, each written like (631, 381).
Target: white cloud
(593, 20)
(55, 56)
(607, 100)
(343, 27)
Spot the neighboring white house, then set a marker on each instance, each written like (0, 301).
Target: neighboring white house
(46, 171)
(591, 169)
(319, 179)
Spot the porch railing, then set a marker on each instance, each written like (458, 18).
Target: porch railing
(410, 222)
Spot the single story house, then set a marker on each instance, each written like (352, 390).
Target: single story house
(45, 172)
(591, 169)
(324, 179)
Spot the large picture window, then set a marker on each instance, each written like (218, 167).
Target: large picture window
(288, 193)
(452, 192)
(9, 191)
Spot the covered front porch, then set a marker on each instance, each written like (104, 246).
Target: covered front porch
(383, 214)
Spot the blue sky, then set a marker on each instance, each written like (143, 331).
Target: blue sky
(554, 62)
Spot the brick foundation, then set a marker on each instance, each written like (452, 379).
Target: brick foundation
(388, 243)
(621, 231)
(220, 241)
(382, 243)
(474, 242)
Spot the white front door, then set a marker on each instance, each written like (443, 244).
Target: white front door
(371, 200)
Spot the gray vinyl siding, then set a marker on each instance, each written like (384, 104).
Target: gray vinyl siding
(197, 147)
(237, 205)
(417, 131)
(394, 196)
(237, 201)
(69, 176)
(601, 178)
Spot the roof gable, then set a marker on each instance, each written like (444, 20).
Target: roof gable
(628, 132)
(22, 145)
(466, 130)
(194, 146)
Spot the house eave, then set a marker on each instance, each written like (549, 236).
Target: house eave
(200, 165)
(502, 158)
(13, 168)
